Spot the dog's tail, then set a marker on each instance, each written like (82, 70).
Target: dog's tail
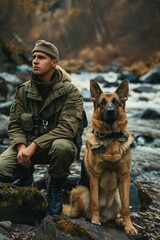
(80, 202)
(66, 209)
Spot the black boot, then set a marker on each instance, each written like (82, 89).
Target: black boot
(26, 179)
(55, 196)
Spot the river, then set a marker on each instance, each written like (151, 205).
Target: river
(143, 111)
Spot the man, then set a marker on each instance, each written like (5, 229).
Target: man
(44, 119)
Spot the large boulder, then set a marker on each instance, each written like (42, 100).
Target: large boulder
(61, 228)
(21, 204)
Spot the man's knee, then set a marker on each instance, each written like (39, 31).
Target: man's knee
(62, 154)
(63, 146)
(8, 163)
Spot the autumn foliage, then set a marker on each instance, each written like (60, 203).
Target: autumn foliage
(101, 31)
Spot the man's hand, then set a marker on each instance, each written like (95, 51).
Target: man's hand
(25, 153)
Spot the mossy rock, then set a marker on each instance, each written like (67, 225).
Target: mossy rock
(69, 227)
(61, 228)
(25, 204)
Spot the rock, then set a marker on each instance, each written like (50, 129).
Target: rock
(156, 143)
(150, 114)
(93, 67)
(150, 132)
(71, 182)
(41, 176)
(3, 148)
(153, 76)
(102, 232)
(139, 68)
(61, 228)
(46, 231)
(141, 98)
(23, 231)
(147, 217)
(4, 125)
(6, 225)
(3, 89)
(142, 89)
(11, 81)
(75, 66)
(135, 203)
(21, 204)
(100, 79)
(132, 77)
(148, 191)
(117, 66)
(5, 107)
(143, 140)
(140, 140)
(4, 235)
(4, 139)
(147, 221)
(24, 67)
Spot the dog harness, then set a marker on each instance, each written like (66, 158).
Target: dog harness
(104, 140)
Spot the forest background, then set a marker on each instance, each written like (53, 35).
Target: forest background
(91, 31)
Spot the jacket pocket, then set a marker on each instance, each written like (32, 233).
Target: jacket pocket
(27, 121)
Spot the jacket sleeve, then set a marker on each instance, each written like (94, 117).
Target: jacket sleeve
(15, 131)
(69, 120)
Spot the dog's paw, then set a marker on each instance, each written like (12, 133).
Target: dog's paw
(130, 229)
(119, 221)
(96, 221)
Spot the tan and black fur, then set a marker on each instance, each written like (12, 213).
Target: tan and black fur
(107, 160)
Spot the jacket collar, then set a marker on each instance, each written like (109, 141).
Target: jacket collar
(56, 85)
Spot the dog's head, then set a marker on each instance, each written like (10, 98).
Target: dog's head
(107, 105)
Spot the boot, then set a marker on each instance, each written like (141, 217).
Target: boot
(55, 196)
(26, 179)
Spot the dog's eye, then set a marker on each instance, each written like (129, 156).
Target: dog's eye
(103, 102)
(115, 101)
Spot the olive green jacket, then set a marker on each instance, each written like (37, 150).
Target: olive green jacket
(62, 109)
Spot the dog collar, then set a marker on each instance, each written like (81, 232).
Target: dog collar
(120, 136)
(104, 140)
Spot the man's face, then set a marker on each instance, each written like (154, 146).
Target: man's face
(42, 63)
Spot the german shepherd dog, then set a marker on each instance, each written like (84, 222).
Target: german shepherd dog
(107, 160)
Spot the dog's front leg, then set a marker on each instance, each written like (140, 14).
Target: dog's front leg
(124, 188)
(94, 194)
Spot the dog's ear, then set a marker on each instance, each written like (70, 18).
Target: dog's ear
(95, 90)
(123, 90)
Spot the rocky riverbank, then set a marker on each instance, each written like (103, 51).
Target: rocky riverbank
(143, 121)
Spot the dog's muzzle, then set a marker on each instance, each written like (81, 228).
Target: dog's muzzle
(110, 115)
